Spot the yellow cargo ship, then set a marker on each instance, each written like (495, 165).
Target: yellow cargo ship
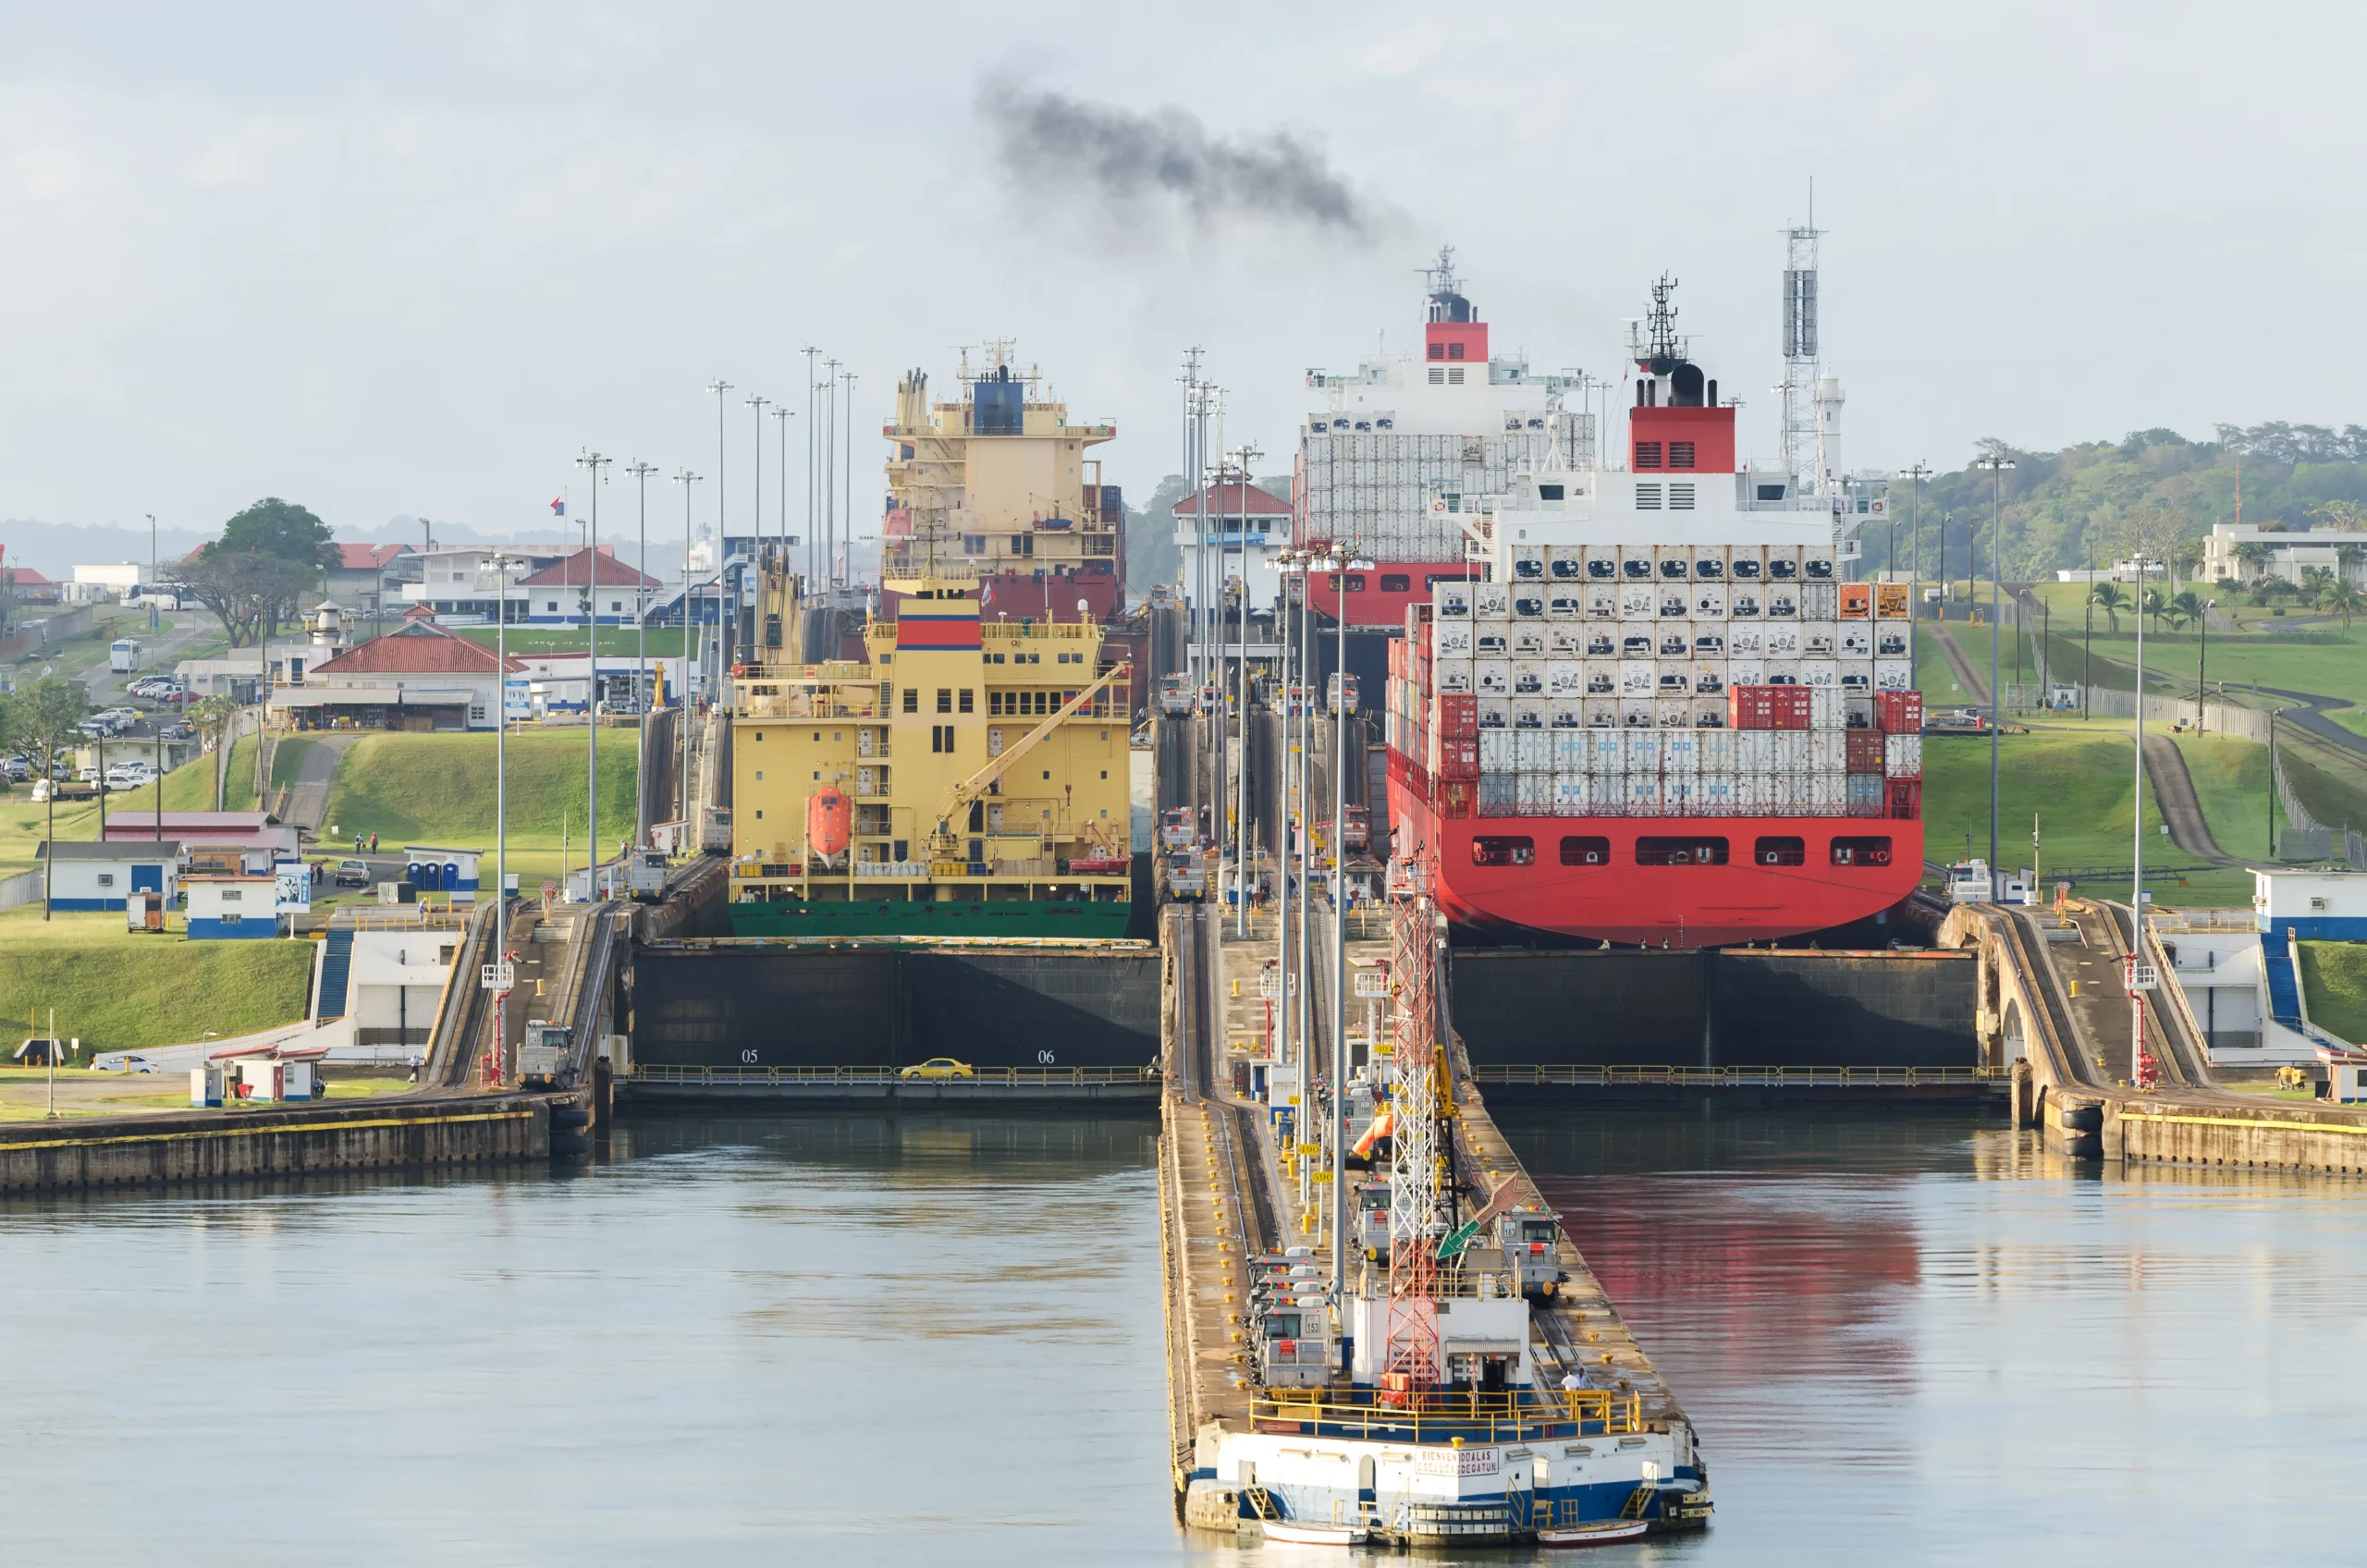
(969, 779)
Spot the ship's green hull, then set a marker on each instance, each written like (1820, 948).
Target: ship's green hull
(1068, 919)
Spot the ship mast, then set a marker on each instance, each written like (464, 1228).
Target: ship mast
(1417, 1198)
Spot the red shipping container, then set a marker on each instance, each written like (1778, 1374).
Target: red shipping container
(1767, 707)
(1906, 799)
(1396, 658)
(1458, 758)
(1865, 752)
(1458, 798)
(1899, 713)
(1459, 716)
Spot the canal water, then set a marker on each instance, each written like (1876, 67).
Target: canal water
(922, 1339)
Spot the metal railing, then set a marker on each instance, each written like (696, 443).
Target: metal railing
(1591, 1075)
(857, 1077)
(1437, 1415)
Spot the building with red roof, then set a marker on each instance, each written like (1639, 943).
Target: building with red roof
(419, 676)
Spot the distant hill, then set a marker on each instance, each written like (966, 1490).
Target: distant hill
(2103, 496)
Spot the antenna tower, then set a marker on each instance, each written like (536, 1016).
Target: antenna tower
(1800, 355)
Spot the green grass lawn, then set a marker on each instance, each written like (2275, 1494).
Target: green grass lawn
(24, 822)
(2335, 974)
(2331, 785)
(439, 789)
(2231, 781)
(2076, 783)
(665, 641)
(287, 758)
(115, 989)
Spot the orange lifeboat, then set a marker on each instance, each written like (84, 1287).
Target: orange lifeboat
(829, 821)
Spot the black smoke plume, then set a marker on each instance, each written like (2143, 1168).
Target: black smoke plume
(1124, 161)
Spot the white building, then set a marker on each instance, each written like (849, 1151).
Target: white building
(2241, 969)
(101, 875)
(545, 587)
(1246, 527)
(2292, 553)
(394, 980)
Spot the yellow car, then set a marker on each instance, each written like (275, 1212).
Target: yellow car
(939, 1067)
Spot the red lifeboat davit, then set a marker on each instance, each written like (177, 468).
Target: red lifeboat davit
(829, 821)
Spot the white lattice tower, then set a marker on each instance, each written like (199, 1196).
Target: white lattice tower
(1417, 1216)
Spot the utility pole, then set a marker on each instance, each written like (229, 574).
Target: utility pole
(151, 572)
(756, 490)
(849, 378)
(782, 414)
(2087, 637)
(1340, 949)
(502, 562)
(830, 478)
(810, 535)
(1998, 464)
(1242, 454)
(596, 462)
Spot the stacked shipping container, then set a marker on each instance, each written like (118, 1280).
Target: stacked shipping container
(1368, 486)
(1660, 681)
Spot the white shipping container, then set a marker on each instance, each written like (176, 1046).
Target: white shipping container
(1452, 601)
(1533, 750)
(1496, 750)
(1820, 601)
(1828, 791)
(1491, 601)
(1746, 673)
(1816, 563)
(1708, 713)
(1636, 678)
(1708, 601)
(1673, 563)
(1716, 748)
(1528, 601)
(1528, 677)
(1828, 751)
(1679, 754)
(1673, 677)
(1565, 713)
(1709, 677)
(1709, 563)
(1571, 793)
(1787, 750)
(1782, 603)
(1715, 792)
(1533, 791)
(1819, 673)
(1819, 639)
(1637, 713)
(1903, 756)
(1606, 752)
(1529, 640)
(1857, 640)
(1602, 562)
(1566, 641)
(1528, 563)
(1598, 678)
(1643, 791)
(1750, 791)
(1493, 678)
(1678, 792)
(1602, 711)
(1782, 563)
(1564, 601)
(1565, 677)
(1455, 676)
(1637, 601)
(1601, 601)
(1674, 713)
(1495, 713)
(1754, 750)
(1893, 675)
(1643, 751)
(1491, 638)
(1528, 712)
(1856, 677)
(1452, 640)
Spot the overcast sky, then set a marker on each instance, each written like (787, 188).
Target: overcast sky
(411, 259)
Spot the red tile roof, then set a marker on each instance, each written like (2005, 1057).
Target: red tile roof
(416, 648)
(606, 570)
(365, 558)
(25, 577)
(1225, 500)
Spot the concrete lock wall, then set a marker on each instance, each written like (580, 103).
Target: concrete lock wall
(891, 1008)
(1726, 1007)
(206, 1147)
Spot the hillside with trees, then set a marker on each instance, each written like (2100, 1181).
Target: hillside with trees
(2153, 489)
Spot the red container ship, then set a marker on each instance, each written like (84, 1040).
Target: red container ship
(1658, 714)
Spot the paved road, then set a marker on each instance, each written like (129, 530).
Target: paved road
(2174, 790)
(1967, 674)
(2313, 719)
(307, 794)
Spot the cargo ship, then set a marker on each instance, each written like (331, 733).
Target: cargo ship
(968, 777)
(1456, 414)
(1657, 714)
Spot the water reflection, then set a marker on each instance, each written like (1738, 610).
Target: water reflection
(875, 1339)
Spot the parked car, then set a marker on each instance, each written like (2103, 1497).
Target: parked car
(18, 769)
(939, 1067)
(128, 1062)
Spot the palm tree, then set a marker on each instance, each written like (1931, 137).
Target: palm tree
(218, 716)
(2154, 605)
(2315, 580)
(2185, 608)
(2108, 597)
(2345, 600)
(2255, 555)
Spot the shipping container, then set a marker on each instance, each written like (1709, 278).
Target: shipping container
(1497, 749)
(1528, 677)
(1490, 601)
(1602, 711)
(1895, 675)
(1453, 641)
(1899, 713)
(1816, 563)
(1906, 798)
(1857, 641)
(1451, 600)
(1565, 677)
(1746, 563)
(1566, 641)
(1491, 639)
(1638, 601)
(1637, 713)
(1708, 601)
(1455, 677)
(1782, 671)
(1533, 792)
(1495, 713)
(1892, 601)
(1863, 794)
(1783, 602)
(1782, 563)
(1902, 755)
(1819, 639)
(1459, 716)
(1743, 602)
(1674, 713)
(1492, 676)
(1746, 673)
(1787, 751)
(1565, 713)
(1864, 752)
(1528, 712)
(1571, 792)
(1828, 751)
(1714, 793)
(1716, 749)
(1641, 791)
(1857, 600)
(1822, 673)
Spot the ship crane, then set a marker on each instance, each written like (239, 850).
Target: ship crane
(959, 799)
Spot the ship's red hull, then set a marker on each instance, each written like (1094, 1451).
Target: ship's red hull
(1683, 905)
(1378, 595)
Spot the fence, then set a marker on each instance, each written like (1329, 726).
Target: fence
(21, 888)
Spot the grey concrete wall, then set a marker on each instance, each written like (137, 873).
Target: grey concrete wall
(301, 1139)
(1726, 1007)
(890, 1007)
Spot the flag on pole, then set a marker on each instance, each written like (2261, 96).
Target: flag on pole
(559, 507)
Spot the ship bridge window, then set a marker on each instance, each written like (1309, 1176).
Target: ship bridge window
(1549, 492)
(1771, 492)
(1504, 850)
(911, 699)
(969, 700)
(1585, 849)
(1396, 583)
(1431, 580)
(1861, 851)
(945, 699)
(1780, 850)
(1659, 850)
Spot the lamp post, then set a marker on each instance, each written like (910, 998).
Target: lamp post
(782, 414)
(1285, 562)
(640, 473)
(502, 561)
(151, 572)
(595, 461)
(685, 478)
(1918, 473)
(811, 534)
(2202, 652)
(2140, 1065)
(1997, 463)
(1340, 942)
(719, 388)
